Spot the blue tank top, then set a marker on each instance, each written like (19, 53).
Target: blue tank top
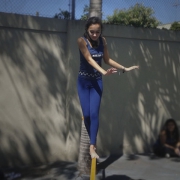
(86, 69)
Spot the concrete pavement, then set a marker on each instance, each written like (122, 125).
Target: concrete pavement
(136, 167)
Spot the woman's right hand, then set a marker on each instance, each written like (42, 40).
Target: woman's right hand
(111, 71)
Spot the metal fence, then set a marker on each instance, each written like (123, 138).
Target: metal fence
(166, 11)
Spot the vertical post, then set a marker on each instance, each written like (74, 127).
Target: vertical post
(93, 169)
(73, 10)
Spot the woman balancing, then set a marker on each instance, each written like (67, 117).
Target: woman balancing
(93, 48)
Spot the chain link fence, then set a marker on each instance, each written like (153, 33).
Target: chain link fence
(166, 11)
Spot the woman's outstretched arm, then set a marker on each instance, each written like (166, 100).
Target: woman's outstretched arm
(113, 63)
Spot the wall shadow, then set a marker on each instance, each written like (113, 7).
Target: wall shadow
(41, 120)
(140, 101)
(34, 72)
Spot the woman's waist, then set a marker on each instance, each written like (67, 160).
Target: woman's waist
(90, 74)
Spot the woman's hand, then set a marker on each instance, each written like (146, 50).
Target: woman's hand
(130, 68)
(177, 151)
(111, 71)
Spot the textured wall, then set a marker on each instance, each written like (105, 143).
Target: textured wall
(40, 115)
(33, 90)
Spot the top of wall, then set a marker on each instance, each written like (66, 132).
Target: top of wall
(140, 33)
(32, 22)
(57, 25)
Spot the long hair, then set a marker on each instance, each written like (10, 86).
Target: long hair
(90, 21)
(175, 133)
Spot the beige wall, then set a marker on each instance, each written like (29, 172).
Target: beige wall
(40, 115)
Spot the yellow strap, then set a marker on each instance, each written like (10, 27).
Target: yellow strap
(93, 169)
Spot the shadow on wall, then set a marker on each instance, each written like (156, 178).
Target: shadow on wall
(34, 85)
(156, 98)
(134, 110)
(33, 103)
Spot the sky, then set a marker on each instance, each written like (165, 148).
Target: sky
(166, 11)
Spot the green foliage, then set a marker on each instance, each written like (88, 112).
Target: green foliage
(137, 15)
(175, 26)
(85, 15)
(63, 14)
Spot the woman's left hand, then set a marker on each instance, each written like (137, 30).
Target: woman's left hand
(177, 151)
(131, 68)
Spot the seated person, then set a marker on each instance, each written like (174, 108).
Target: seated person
(168, 143)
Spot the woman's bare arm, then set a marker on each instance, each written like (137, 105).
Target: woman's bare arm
(113, 63)
(90, 60)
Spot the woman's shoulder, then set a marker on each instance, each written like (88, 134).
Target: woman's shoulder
(104, 41)
(81, 41)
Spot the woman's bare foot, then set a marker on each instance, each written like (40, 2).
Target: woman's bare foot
(93, 152)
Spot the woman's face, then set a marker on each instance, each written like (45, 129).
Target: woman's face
(94, 31)
(171, 126)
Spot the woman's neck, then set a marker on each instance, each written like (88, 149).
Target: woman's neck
(93, 43)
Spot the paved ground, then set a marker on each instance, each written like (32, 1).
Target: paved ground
(137, 167)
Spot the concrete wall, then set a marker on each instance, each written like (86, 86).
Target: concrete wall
(40, 115)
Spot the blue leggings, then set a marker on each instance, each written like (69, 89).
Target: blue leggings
(90, 93)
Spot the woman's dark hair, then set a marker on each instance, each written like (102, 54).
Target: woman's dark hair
(90, 21)
(176, 130)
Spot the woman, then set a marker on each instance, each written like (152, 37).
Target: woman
(93, 48)
(168, 143)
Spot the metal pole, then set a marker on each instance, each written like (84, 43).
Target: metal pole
(73, 10)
